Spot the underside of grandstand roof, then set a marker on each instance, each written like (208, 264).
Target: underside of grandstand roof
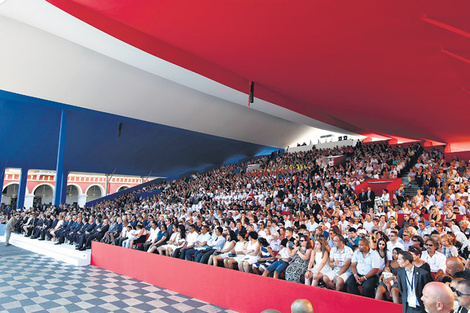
(162, 87)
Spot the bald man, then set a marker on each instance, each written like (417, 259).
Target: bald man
(301, 306)
(438, 298)
(456, 269)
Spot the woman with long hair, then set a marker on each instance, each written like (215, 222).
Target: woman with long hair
(237, 253)
(388, 281)
(318, 264)
(174, 242)
(301, 254)
(382, 251)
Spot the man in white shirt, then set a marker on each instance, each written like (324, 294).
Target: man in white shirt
(191, 238)
(368, 224)
(200, 244)
(215, 243)
(393, 243)
(436, 260)
(154, 230)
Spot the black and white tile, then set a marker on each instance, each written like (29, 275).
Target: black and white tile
(33, 283)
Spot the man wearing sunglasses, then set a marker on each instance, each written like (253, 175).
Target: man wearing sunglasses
(463, 295)
(435, 259)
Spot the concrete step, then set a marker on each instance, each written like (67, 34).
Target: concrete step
(64, 252)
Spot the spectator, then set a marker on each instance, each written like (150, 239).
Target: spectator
(365, 265)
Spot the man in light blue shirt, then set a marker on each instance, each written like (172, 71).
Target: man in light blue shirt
(365, 265)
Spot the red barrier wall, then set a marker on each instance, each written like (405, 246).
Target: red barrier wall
(378, 185)
(231, 289)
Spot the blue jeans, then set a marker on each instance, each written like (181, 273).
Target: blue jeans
(278, 266)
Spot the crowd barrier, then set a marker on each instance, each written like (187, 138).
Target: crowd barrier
(238, 291)
(378, 185)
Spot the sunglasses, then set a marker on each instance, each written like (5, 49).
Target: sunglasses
(458, 293)
(428, 245)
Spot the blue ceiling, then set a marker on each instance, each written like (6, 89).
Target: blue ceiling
(29, 133)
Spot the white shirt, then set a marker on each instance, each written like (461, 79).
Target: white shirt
(191, 238)
(391, 246)
(365, 264)
(436, 262)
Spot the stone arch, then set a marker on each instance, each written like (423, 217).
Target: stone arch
(91, 192)
(44, 193)
(122, 188)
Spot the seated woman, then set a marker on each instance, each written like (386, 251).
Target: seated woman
(237, 252)
(266, 257)
(177, 240)
(282, 262)
(318, 264)
(251, 253)
(416, 252)
(388, 281)
(228, 247)
(301, 254)
(435, 214)
(447, 248)
(162, 238)
(382, 251)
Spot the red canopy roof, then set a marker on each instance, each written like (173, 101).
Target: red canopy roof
(394, 68)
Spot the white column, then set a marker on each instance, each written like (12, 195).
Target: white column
(28, 201)
(81, 200)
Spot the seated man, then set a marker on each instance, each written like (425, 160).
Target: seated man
(215, 243)
(97, 234)
(365, 265)
(191, 239)
(200, 244)
(454, 269)
(435, 259)
(340, 261)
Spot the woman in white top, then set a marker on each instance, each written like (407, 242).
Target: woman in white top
(59, 225)
(318, 264)
(251, 253)
(237, 252)
(229, 246)
(175, 242)
(391, 213)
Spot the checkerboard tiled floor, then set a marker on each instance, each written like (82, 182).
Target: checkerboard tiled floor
(33, 283)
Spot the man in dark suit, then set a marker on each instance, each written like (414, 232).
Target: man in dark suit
(72, 237)
(97, 233)
(370, 198)
(411, 281)
(51, 224)
(39, 226)
(75, 226)
(81, 239)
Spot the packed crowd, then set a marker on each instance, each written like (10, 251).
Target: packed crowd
(293, 218)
